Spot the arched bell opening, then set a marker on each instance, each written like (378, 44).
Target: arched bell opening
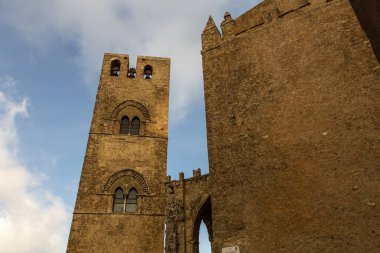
(115, 67)
(148, 72)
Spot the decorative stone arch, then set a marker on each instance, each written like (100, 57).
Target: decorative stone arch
(201, 211)
(132, 109)
(143, 186)
(133, 103)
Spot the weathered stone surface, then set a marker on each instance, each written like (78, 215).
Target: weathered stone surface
(292, 92)
(292, 105)
(117, 160)
(187, 204)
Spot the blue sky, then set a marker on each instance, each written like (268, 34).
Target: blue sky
(50, 58)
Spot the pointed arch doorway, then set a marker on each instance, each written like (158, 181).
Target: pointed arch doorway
(203, 215)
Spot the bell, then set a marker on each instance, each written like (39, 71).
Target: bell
(148, 72)
(132, 72)
(115, 71)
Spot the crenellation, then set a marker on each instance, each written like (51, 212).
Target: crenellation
(292, 109)
(227, 26)
(211, 37)
(197, 176)
(181, 176)
(264, 13)
(292, 127)
(197, 173)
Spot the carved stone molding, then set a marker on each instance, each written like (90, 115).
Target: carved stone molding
(125, 173)
(133, 103)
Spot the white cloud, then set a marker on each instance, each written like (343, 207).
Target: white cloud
(32, 220)
(168, 28)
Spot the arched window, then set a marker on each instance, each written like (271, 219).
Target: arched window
(202, 226)
(148, 72)
(131, 205)
(135, 126)
(118, 205)
(124, 125)
(115, 68)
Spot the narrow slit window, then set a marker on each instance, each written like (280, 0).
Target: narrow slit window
(135, 126)
(131, 205)
(118, 206)
(115, 68)
(124, 125)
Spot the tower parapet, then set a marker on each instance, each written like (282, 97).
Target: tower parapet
(211, 36)
(264, 13)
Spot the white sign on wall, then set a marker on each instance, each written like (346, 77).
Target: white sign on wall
(234, 249)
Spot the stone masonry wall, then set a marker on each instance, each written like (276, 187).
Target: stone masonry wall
(187, 204)
(115, 160)
(292, 93)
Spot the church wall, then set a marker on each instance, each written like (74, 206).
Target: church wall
(292, 95)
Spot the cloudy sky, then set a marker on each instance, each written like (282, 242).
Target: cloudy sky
(50, 58)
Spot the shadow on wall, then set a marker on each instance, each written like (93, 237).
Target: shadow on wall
(203, 218)
(368, 13)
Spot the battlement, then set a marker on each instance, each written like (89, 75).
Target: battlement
(267, 12)
(197, 177)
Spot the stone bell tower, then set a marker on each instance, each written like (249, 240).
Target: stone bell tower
(121, 198)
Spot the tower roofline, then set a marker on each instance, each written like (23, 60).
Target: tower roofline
(138, 56)
(153, 58)
(261, 14)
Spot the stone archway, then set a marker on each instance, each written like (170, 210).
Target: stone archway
(204, 214)
(188, 203)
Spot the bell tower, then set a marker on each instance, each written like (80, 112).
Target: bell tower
(121, 198)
